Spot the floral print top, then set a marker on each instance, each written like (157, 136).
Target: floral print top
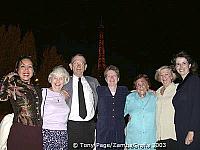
(25, 99)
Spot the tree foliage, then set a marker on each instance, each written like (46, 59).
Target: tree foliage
(12, 46)
(51, 58)
(9, 47)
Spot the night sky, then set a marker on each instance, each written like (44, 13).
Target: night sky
(140, 35)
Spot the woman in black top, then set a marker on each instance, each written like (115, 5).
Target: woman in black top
(187, 103)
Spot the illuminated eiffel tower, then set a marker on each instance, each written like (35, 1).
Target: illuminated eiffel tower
(101, 53)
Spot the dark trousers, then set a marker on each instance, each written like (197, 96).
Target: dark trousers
(81, 135)
(168, 144)
(24, 137)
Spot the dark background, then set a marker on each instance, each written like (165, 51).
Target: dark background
(140, 35)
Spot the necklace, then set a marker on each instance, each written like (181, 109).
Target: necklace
(56, 97)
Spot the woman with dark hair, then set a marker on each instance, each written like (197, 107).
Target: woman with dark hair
(110, 121)
(187, 103)
(141, 107)
(25, 98)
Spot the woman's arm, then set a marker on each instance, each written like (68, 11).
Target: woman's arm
(194, 124)
(7, 87)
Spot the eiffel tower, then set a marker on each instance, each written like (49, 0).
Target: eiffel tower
(101, 53)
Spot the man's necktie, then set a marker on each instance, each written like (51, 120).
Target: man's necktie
(82, 107)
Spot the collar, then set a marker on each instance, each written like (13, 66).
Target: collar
(75, 78)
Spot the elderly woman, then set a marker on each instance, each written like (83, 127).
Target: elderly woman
(166, 134)
(141, 106)
(110, 122)
(55, 111)
(25, 132)
(186, 103)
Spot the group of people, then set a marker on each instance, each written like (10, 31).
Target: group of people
(64, 115)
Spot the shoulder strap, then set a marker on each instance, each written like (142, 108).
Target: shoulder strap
(44, 104)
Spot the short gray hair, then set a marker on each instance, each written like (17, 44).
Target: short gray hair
(59, 70)
(113, 68)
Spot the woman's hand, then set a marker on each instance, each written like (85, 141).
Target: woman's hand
(10, 75)
(189, 138)
(129, 118)
(65, 93)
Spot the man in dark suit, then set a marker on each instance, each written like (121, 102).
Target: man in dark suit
(81, 127)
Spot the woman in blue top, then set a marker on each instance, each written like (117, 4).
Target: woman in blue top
(110, 122)
(141, 107)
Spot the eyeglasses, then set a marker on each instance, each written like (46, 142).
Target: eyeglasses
(140, 85)
(76, 63)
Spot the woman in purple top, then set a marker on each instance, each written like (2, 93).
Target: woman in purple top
(55, 111)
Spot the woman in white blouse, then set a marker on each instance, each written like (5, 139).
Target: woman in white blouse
(166, 135)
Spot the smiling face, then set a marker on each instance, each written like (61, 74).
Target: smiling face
(166, 77)
(57, 82)
(182, 66)
(141, 86)
(25, 70)
(111, 78)
(78, 65)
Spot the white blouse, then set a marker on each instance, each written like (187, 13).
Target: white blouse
(165, 113)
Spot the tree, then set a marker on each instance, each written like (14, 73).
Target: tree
(11, 47)
(50, 59)
(27, 45)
